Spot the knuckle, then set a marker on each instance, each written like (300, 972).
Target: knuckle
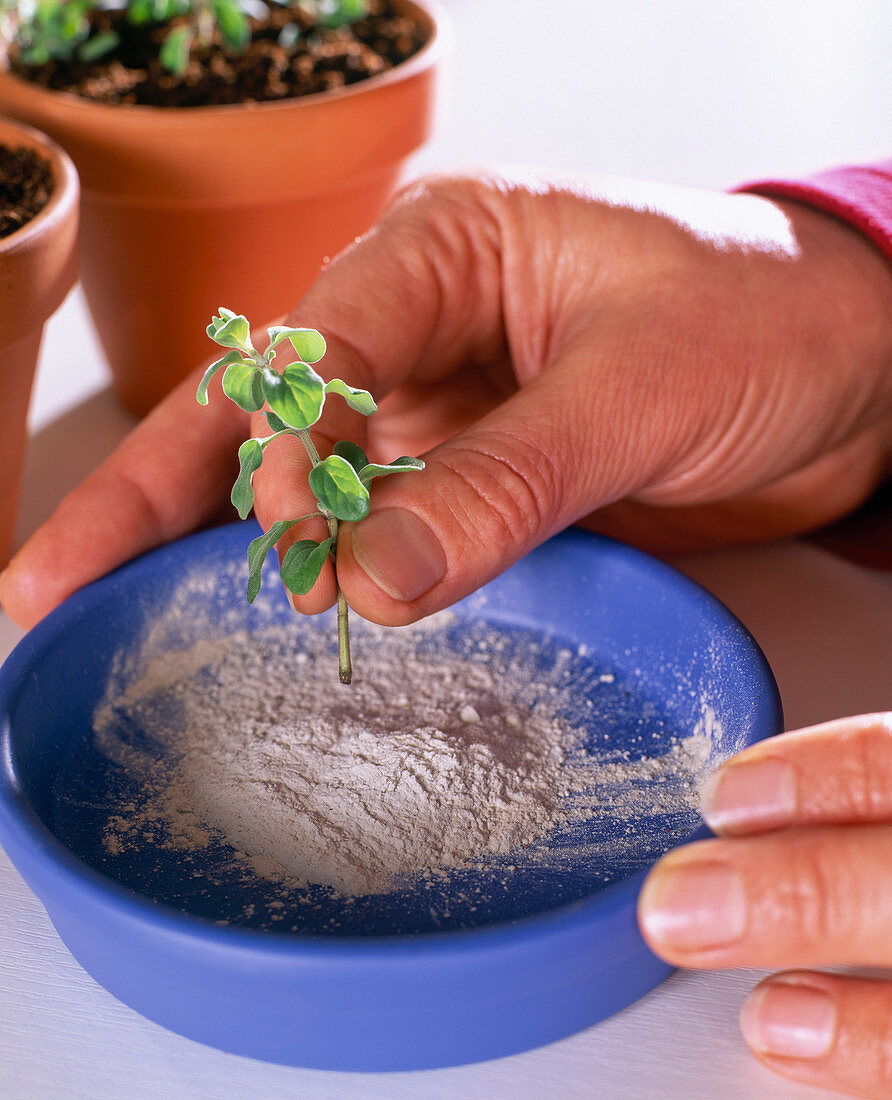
(443, 216)
(444, 251)
(453, 227)
(438, 189)
(119, 486)
(869, 780)
(817, 902)
(513, 487)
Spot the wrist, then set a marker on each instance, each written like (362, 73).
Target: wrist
(851, 285)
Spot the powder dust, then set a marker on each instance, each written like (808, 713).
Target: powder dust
(437, 757)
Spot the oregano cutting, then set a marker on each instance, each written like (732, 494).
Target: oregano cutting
(295, 397)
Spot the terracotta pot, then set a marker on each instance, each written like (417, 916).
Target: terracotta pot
(187, 209)
(38, 266)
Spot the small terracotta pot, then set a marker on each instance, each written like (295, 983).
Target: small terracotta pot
(188, 209)
(38, 266)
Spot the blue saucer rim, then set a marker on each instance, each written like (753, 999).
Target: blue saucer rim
(25, 827)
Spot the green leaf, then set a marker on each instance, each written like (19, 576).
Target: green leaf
(140, 11)
(201, 394)
(276, 423)
(338, 488)
(156, 11)
(243, 384)
(36, 55)
(98, 46)
(174, 56)
(73, 23)
(352, 452)
(373, 469)
(307, 342)
(302, 564)
(230, 330)
(296, 396)
(335, 13)
(250, 456)
(257, 551)
(232, 23)
(361, 400)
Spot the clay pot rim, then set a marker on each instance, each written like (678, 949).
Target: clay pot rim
(65, 193)
(431, 11)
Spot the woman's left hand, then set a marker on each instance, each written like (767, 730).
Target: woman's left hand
(800, 876)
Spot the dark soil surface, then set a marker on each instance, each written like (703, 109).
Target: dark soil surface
(26, 183)
(277, 64)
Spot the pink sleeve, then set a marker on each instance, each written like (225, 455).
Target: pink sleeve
(860, 195)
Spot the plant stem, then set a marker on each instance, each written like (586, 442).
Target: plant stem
(310, 446)
(345, 665)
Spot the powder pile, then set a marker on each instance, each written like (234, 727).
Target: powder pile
(431, 760)
(421, 764)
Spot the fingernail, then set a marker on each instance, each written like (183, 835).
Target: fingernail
(399, 552)
(693, 905)
(752, 794)
(790, 1021)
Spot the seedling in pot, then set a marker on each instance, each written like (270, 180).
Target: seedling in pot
(62, 29)
(295, 397)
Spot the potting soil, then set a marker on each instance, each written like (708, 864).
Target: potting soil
(289, 54)
(26, 184)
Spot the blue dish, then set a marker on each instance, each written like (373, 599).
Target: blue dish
(412, 980)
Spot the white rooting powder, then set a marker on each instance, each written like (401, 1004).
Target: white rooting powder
(429, 761)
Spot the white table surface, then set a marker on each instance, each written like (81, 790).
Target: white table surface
(704, 92)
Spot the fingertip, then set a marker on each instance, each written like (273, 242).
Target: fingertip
(692, 907)
(751, 795)
(24, 596)
(789, 1016)
(399, 552)
(7, 599)
(371, 554)
(829, 1030)
(837, 772)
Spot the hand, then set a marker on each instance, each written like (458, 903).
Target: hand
(675, 368)
(801, 876)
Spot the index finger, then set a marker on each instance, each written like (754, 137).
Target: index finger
(837, 773)
(170, 475)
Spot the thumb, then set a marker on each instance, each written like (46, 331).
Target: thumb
(531, 467)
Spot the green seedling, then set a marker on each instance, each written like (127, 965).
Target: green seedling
(295, 396)
(335, 13)
(201, 19)
(61, 30)
(46, 30)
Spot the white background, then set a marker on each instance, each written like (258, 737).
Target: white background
(702, 92)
